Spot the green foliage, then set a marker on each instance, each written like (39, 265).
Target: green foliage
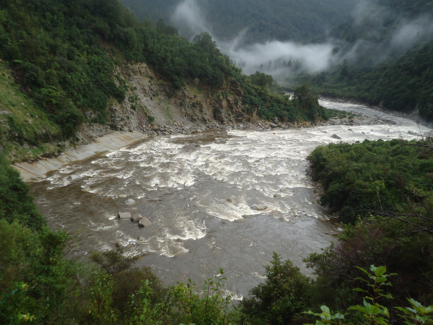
(395, 76)
(35, 279)
(62, 56)
(269, 105)
(261, 79)
(284, 294)
(277, 19)
(308, 103)
(372, 312)
(417, 313)
(15, 202)
(392, 181)
(375, 241)
(20, 120)
(373, 176)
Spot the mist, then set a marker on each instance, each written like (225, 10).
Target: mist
(280, 59)
(379, 45)
(273, 57)
(408, 33)
(189, 18)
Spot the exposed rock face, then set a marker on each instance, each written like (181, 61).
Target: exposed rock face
(155, 107)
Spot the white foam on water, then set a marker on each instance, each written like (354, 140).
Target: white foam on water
(189, 230)
(194, 182)
(261, 276)
(233, 296)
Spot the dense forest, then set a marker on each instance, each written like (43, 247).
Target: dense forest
(63, 56)
(385, 56)
(265, 20)
(384, 190)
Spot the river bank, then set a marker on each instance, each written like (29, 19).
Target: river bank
(413, 115)
(200, 193)
(112, 141)
(106, 141)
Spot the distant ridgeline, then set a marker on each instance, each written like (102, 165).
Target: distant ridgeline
(385, 57)
(264, 20)
(63, 55)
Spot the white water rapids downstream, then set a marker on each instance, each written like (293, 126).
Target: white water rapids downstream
(197, 191)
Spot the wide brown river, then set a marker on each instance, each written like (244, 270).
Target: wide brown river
(198, 192)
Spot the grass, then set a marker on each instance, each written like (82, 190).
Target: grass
(23, 127)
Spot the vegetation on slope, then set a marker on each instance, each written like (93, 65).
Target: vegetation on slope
(264, 20)
(37, 284)
(63, 55)
(388, 180)
(21, 121)
(15, 202)
(382, 65)
(372, 176)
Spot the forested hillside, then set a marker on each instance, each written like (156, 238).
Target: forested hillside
(62, 60)
(385, 57)
(265, 20)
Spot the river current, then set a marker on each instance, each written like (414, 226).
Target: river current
(198, 192)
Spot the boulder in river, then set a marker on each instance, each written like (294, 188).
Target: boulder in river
(130, 202)
(259, 207)
(230, 201)
(124, 215)
(136, 218)
(141, 239)
(335, 136)
(278, 196)
(414, 133)
(144, 222)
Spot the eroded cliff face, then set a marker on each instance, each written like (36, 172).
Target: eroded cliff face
(151, 107)
(154, 106)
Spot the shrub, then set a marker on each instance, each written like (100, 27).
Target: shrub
(15, 201)
(285, 293)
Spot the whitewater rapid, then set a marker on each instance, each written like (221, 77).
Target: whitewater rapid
(198, 192)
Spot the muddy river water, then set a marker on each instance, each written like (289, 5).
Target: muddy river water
(198, 192)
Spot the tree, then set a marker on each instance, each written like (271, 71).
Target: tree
(261, 79)
(205, 42)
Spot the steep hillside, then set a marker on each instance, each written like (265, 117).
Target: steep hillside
(75, 63)
(22, 124)
(265, 20)
(384, 58)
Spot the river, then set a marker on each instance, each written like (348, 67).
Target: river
(198, 192)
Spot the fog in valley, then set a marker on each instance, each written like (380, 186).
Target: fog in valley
(281, 58)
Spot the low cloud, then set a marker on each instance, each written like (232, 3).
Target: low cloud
(189, 18)
(282, 58)
(408, 33)
(273, 57)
